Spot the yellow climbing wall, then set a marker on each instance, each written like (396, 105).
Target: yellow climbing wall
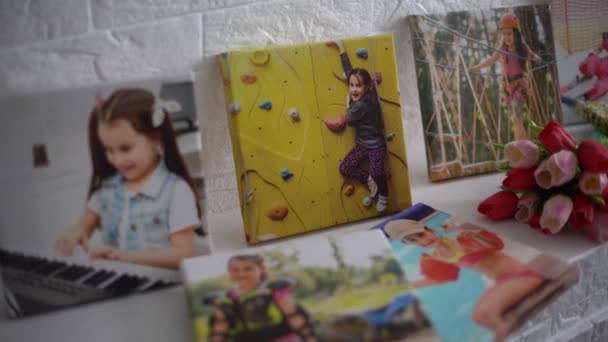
(309, 79)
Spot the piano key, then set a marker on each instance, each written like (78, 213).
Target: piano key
(125, 283)
(50, 268)
(100, 277)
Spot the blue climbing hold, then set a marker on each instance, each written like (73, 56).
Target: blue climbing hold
(225, 54)
(361, 53)
(266, 105)
(286, 174)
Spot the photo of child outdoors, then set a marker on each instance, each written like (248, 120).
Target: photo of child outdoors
(491, 274)
(106, 186)
(341, 292)
(581, 46)
(481, 76)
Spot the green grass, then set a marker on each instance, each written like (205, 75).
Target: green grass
(201, 328)
(320, 309)
(368, 297)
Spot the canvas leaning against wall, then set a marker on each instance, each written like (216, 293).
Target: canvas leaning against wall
(316, 133)
(102, 195)
(327, 288)
(581, 45)
(481, 76)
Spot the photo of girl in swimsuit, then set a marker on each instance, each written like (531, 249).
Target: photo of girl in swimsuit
(473, 283)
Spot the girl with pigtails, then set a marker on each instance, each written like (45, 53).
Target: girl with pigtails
(363, 112)
(141, 196)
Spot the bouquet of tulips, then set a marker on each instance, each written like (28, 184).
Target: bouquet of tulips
(553, 182)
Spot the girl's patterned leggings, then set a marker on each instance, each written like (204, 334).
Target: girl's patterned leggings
(351, 166)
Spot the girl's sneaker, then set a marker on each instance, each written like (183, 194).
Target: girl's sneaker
(373, 187)
(382, 203)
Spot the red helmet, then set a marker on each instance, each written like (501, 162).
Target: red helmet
(509, 21)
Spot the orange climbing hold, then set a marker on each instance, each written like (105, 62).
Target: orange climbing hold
(249, 77)
(336, 125)
(278, 211)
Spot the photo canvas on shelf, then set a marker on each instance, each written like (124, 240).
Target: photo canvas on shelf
(323, 288)
(474, 285)
(317, 134)
(482, 75)
(102, 192)
(581, 45)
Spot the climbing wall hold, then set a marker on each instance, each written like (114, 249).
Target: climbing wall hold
(367, 201)
(348, 190)
(235, 108)
(226, 82)
(294, 115)
(265, 105)
(361, 53)
(336, 125)
(260, 57)
(225, 54)
(248, 77)
(391, 136)
(278, 211)
(378, 77)
(286, 173)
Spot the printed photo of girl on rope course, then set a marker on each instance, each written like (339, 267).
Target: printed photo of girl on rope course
(581, 47)
(481, 76)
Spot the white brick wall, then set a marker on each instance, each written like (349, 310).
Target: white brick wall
(66, 43)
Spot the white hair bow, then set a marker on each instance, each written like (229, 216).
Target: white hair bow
(161, 107)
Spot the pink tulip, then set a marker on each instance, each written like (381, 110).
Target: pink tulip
(592, 183)
(525, 207)
(559, 169)
(598, 229)
(522, 154)
(556, 212)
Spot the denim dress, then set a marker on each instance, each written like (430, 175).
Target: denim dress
(148, 225)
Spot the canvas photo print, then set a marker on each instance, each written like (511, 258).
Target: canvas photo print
(474, 285)
(581, 45)
(316, 133)
(103, 193)
(327, 288)
(482, 75)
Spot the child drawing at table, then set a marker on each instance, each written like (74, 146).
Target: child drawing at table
(478, 250)
(513, 55)
(257, 309)
(365, 115)
(140, 195)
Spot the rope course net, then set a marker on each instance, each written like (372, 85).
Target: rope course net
(578, 24)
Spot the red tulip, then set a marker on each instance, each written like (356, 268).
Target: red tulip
(582, 211)
(555, 138)
(520, 179)
(535, 220)
(502, 205)
(605, 198)
(598, 229)
(593, 156)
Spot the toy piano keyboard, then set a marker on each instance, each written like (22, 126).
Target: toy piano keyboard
(36, 284)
